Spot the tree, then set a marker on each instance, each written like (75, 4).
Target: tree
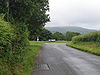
(24, 16)
(69, 35)
(45, 35)
(58, 36)
(38, 18)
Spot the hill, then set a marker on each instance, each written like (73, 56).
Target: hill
(69, 28)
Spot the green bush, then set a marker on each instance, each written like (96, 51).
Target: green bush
(13, 44)
(69, 35)
(90, 37)
(6, 38)
(6, 35)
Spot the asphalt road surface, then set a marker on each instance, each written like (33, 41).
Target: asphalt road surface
(59, 59)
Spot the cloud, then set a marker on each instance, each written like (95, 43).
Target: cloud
(83, 13)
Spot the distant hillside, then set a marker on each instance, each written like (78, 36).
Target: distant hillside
(70, 28)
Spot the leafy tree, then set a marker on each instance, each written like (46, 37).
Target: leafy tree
(6, 37)
(38, 18)
(45, 35)
(24, 16)
(6, 34)
(69, 35)
(58, 36)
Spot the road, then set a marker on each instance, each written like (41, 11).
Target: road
(59, 59)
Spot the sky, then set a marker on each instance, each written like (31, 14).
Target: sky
(82, 13)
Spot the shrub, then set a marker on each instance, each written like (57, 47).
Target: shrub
(13, 43)
(6, 38)
(6, 34)
(90, 37)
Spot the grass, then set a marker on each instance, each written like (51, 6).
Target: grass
(90, 47)
(58, 42)
(52, 41)
(29, 60)
(30, 57)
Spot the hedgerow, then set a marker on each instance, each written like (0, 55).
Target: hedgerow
(6, 38)
(90, 37)
(21, 18)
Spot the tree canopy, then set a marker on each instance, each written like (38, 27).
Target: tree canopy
(45, 35)
(21, 19)
(69, 35)
(58, 36)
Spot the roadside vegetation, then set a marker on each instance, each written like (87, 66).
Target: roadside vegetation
(87, 42)
(30, 57)
(90, 37)
(70, 35)
(19, 20)
(45, 35)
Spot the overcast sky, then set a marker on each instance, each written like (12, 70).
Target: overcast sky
(83, 13)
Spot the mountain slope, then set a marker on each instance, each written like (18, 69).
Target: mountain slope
(69, 28)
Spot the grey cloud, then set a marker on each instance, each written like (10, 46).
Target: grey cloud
(84, 13)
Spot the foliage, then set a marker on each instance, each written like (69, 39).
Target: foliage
(35, 33)
(45, 35)
(11, 52)
(69, 35)
(90, 47)
(33, 15)
(6, 34)
(42, 34)
(38, 18)
(22, 17)
(6, 37)
(90, 37)
(58, 36)
(30, 56)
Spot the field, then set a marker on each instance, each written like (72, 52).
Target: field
(90, 47)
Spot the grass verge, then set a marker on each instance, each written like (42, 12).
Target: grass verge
(30, 57)
(52, 41)
(58, 42)
(90, 47)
